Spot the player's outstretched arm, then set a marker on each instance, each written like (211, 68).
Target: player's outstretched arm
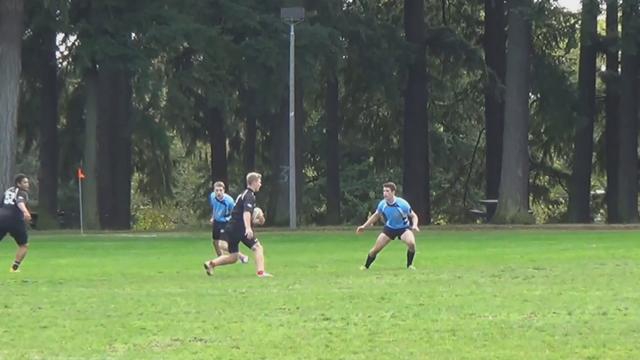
(25, 211)
(370, 221)
(414, 221)
(246, 217)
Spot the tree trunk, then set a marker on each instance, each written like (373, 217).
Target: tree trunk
(121, 135)
(612, 101)
(513, 199)
(48, 121)
(332, 100)
(114, 147)
(495, 58)
(250, 136)
(217, 144)
(416, 129)
(580, 183)
(628, 130)
(106, 126)
(90, 183)
(11, 28)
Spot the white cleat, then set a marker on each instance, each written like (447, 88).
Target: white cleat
(244, 259)
(264, 275)
(411, 267)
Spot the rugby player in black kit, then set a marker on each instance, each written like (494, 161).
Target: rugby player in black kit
(14, 215)
(239, 229)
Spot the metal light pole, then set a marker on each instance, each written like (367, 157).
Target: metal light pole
(292, 16)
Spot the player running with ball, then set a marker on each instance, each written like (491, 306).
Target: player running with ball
(240, 229)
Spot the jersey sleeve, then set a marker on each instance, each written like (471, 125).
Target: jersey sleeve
(22, 197)
(406, 207)
(230, 203)
(249, 202)
(211, 199)
(380, 208)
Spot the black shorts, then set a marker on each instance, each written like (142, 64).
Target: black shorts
(393, 233)
(217, 233)
(235, 237)
(17, 230)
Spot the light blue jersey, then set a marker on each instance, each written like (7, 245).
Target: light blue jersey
(396, 215)
(221, 209)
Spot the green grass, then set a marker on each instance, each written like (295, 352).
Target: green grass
(476, 295)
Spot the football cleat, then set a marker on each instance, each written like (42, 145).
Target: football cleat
(411, 267)
(244, 259)
(265, 274)
(208, 269)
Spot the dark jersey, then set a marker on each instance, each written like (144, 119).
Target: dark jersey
(12, 197)
(246, 201)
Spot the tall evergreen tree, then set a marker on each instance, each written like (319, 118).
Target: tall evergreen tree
(415, 140)
(11, 28)
(628, 129)
(514, 180)
(612, 111)
(495, 59)
(580, 185)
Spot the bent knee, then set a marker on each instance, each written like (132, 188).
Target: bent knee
(257, 246)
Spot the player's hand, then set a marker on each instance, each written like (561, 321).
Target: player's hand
(360, 229)
(27, 217)
(415, 228)
(248, 233)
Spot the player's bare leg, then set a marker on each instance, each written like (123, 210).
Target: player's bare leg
(219, 261)
(409, 238)
(222, 248)
(382, 241)
(20, 255)
(258, 253)
(216, 247)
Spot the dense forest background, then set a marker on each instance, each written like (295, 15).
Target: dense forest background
(522, 101)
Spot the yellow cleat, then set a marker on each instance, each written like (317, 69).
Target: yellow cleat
(12, 270)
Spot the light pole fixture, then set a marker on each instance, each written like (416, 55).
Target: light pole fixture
(292, 16)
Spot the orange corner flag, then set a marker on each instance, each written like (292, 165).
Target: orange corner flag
(80, 174)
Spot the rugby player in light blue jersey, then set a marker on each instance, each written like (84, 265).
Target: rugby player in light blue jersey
(221, 206)
(399, 223)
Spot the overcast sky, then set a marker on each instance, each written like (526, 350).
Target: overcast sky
(573, 5)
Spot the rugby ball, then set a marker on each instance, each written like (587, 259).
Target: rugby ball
(258, 216)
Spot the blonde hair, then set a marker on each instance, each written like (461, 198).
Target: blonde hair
(253, 177)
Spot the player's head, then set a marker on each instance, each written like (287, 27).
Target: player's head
(218, 189)
(254, 181)
(21, 181)
(388, 190)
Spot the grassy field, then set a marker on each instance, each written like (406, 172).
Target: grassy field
(476, 295)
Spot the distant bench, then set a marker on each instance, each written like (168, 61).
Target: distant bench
(482, 214)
